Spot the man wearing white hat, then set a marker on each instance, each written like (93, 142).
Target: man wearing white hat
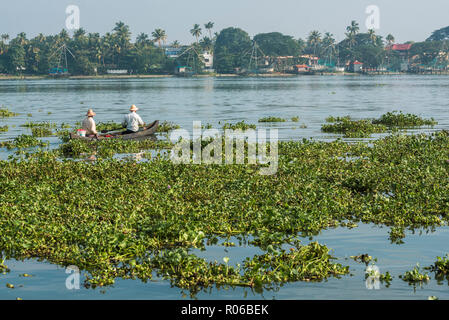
(132, 121)
(89, 123)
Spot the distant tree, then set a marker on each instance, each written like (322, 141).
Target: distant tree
(143, 40)
(206, 44)
(209, 27)
(16, 58)
(438, 35)
(302, 44)
(159, 35)
(4, 37)
(361, 47)
(426, 53)
(230, 46)
(351, 31)
(353, 28)
(314, 41)
(372, 35)
(175, 44)
(390, 39)
(328, 45)
(196, 31)
(277, 44)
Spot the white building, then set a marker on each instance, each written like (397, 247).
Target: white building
(208, 59)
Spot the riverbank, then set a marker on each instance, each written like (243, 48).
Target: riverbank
(157, 76)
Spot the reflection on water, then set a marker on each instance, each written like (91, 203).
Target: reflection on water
(211, 100)
(220, 100)
(48, 281)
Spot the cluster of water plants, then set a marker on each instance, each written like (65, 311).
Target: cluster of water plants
(441, 266)
(272, 119)
(167, 126)
(23, 141)
(4, 128)
(354, 128)
(126, 219)
(88, 215)
(241, 125)
(366, 127)
(5, 113)
(403, 120)
(109, 126)
(40, 129)
(44, 124)
(415, 276)
(109, 147)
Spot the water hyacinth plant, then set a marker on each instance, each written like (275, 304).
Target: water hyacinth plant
(167, 126)
(441, 266)
(365, 127)
(241, 125)
(41, 132)
(354, 128)
(39, 125)
(272, 119)
(401, 120)
(415, 276)
(74, 212)
(5, 113)
(23, 141)
(109, 126)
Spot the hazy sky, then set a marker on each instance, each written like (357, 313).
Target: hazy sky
(405, 19)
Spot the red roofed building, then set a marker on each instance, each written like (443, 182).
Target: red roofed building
(403, 51)
(355, 66)
(400, 47)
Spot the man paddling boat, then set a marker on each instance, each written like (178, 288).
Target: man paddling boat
(132, 121)
(89, 124)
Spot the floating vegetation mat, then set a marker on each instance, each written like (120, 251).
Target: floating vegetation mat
(241, 125)
(23, 141)
(366, 127)
(167, 126)
(123, 219)
(5, 113)
(272, 119)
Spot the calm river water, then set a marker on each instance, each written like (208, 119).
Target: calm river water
(220, 100)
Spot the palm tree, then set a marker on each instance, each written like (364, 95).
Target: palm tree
(196, 31)
(122, 33)
(207, 44)
(79, 33)
(353, 28)
(143, 39)
(21, 38)
(314, 40)
(175, 44)
(329, 44)
(5, 37)
(390, 39)
(159, 35)
(372, 35)
(209, 27)
(3, 45)
(107, 46)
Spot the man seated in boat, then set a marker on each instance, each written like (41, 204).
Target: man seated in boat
(89, 124)
(132, 121)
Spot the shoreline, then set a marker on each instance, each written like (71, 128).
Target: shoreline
(224, 75)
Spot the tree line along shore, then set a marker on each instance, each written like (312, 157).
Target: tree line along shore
(228, 52)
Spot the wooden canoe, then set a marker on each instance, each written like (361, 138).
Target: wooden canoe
(151, 129)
